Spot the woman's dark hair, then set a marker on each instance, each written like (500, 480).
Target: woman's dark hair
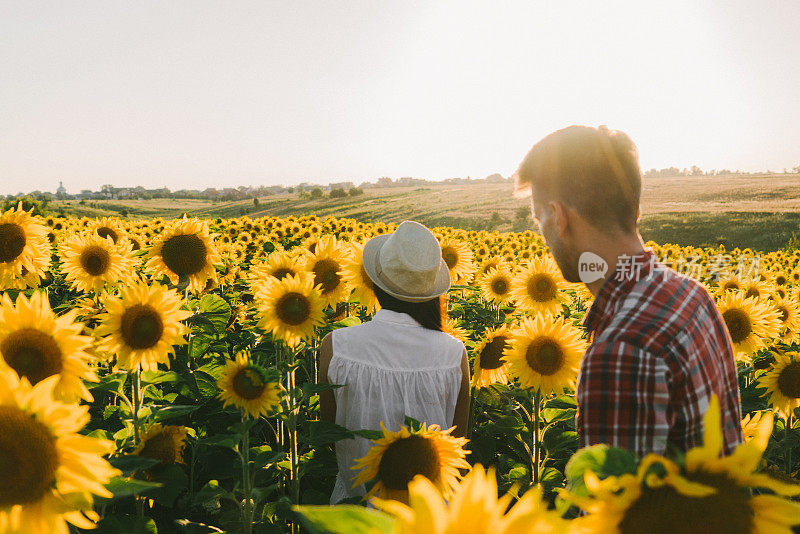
(428, 313)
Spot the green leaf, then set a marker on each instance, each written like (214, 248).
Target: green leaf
(176, 410)
(158, 377)
(228, 441)
(321, 432)
(215, 310)
(213, 491)
(412, 424)
(344, 519)
(125, 525)
(130, 463)
(172, 480)
(126, 487)
(602, 460)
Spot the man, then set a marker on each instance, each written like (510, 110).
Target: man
(659, 349)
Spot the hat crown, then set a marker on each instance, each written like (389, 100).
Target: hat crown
(410, 258)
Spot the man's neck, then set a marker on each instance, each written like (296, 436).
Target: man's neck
(611, 251)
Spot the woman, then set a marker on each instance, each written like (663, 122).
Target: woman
(400, 363)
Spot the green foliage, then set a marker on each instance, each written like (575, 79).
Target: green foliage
(345, 519)
(39, 205)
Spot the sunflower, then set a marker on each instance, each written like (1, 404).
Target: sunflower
(496, 286)
(458, 257)
(326, 265)
(36, 345)
(290, 309)
(729, 282)
(750, 424)
(757, 288)
(544, 354)
(538, 288)
(452, 327)
(473, 507)
(279, 265)
(489, 366)
(185, 250)
(789, 316)
(91, 262)
(782, 383)
(163, 443)
(24, 249)
(142, 325)
(751, 323)
(108, 228)
(357, 279)
(396, 458)
(712, 495)
(248, 387)
(48, 470)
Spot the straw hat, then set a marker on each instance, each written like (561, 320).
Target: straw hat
(407, 264)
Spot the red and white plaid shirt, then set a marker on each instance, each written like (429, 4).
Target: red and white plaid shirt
(659, 350)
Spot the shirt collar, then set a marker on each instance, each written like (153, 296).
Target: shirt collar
(390, 316)
(629, 270)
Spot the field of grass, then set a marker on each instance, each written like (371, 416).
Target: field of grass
(758, 211)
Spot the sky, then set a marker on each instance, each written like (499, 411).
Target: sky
(195, 94)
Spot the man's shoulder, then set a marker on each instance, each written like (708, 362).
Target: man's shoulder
(659, 307)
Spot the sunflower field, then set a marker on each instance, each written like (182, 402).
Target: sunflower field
(161, 376)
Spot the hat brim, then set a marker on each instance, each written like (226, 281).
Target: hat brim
(370, 256)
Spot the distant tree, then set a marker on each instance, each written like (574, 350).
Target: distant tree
(355, 191)
(337, 192)
(123, 213)
(39, 206)
(522, 213)
(316, 193)
(255, 202)
(290, 190)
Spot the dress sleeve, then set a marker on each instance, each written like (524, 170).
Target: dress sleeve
(623, 398)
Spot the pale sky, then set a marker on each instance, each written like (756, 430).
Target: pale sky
(196, 94)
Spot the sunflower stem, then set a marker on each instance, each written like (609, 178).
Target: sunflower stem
(247, 506)
(136, 385)
(788, 457)
(537, 397)
(472, 414)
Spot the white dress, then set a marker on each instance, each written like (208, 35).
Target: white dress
(390, 367)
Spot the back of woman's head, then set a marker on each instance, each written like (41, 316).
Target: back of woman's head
(428, 313)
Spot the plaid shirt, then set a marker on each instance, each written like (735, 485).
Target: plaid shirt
(659, 350)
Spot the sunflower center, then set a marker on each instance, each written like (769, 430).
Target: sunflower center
(326, 275)
(500, 286)
(753, 292)
(492, 352)
(141, 326)
(184, 254)
(12, 241)
(738, 323)
(161, 447)
(28, 458)
(541, 288)
(249, 383)
(293, 308)
(450, 257)
(781, 280)
(405, 458)
(730, 285)
(105, 231)
(95, 260)
(664, 510)
(789, 380)
(32, 354)
(784, 313)
(282, 272)
(544, 356)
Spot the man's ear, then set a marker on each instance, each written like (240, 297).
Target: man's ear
(561, 216)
